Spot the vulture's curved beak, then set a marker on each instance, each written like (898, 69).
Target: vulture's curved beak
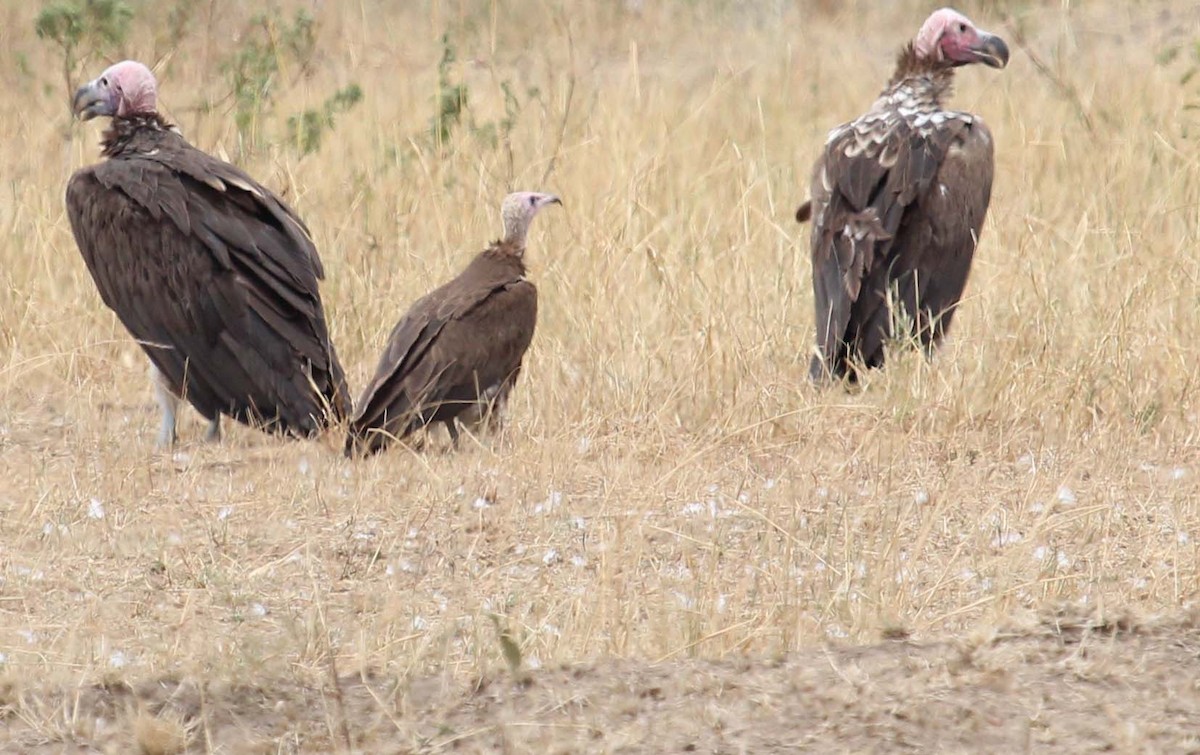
(90, 101)
(991, 50)
(552, 199)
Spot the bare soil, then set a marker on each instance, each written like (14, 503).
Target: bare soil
(1061, 685)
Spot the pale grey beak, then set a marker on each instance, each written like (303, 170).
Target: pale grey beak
(90, 101)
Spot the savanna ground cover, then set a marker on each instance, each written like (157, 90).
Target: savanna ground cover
(677, 544)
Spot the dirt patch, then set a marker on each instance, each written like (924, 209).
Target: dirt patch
(1061, 686)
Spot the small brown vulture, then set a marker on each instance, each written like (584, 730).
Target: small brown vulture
(898, 198)
(211, 272)
(457, 352)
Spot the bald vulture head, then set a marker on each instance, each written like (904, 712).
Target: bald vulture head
(124, 89)
(949, 37)
(517, 212)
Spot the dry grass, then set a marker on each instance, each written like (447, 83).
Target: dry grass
(669, 487)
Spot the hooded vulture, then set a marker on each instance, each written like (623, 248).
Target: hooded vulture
(210, 271)
(457, 352)
(898, 198)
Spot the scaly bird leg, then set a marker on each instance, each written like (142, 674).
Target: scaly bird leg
(213, 433)
(168, 402)
(497, 418)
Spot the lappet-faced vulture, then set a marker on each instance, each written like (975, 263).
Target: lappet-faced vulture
(210, 271)
(457, 352)
(898, 198)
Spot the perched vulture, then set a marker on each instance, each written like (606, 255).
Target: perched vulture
(457, 352)
(898, 198)
(211, 272)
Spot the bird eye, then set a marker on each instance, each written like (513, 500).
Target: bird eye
(962, 28)
(103, 81)
(532, 201)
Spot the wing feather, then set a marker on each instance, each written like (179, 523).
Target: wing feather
(217, 280)
(453, 344)
(868, 178)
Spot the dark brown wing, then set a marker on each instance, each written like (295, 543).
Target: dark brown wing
(871, 173)
(936, 242)
(455, 344)
(217, 280)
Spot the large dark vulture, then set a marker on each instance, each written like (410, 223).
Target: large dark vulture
(457, 352)
(898, 198)
(211, 272)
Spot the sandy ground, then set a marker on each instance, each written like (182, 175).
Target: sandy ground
(1062, 684)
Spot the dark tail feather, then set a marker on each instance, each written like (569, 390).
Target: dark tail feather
(362, 442)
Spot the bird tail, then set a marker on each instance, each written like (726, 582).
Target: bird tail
(368, 434)
(337, 393)
(360, 444)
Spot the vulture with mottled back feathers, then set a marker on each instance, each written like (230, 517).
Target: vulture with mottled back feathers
(211, 272)
(457, 352)
(898, 198)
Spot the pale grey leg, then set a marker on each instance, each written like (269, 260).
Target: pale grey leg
(498, 418)
(489, 413)
(168, 402)
(213, 433)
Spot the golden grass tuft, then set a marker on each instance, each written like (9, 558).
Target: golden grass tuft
(669, 487)
(157, 735)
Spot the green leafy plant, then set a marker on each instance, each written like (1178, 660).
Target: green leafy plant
(179, 21)
(272, 47)
(495, 133)
(510, 648)
(454, 111)
(1193, 66)
(306, 129)
(452, 97)
(82, 24)
(1189, 55)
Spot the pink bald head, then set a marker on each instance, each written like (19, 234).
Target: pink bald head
(949, 36)
(124, 89)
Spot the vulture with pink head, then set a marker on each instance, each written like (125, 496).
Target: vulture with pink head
(456, 354)
(898, 199)
(211, 272)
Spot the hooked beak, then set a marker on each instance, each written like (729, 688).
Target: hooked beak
(90, 102)
(552, 199)
(990, 50)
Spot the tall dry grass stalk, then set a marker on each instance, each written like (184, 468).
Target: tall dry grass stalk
(669, 484)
